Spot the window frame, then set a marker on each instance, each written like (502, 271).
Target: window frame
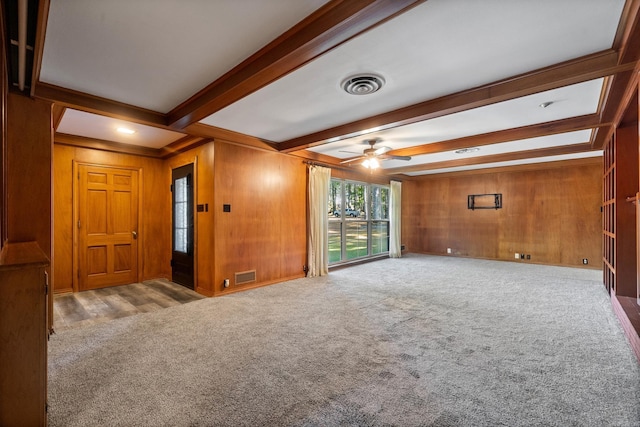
(342, 204)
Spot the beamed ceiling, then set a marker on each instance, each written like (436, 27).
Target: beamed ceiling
(457, 75)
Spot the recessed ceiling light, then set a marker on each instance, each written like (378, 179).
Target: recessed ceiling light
(467, 150)
(545, 104)
(126, 131)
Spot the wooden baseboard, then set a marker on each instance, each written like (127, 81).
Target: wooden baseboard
(628, 313)
(232, 290)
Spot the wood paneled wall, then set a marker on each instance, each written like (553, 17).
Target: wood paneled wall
(551, 213)
(28, 171)
(266, 228)
(153, 233)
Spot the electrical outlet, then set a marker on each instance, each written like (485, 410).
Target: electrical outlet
(585, 261)
(517, 255)
(226, 283)
(448, 250)
(528, 256)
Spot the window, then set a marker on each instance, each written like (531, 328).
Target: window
(180, 207)
(379, 219)
(358, 220)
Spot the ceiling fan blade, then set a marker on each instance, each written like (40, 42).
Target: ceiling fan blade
(382, 150)
(355, 159)
(392, 157)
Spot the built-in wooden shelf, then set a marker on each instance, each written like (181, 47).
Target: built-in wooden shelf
(620, 226)
(608, 216)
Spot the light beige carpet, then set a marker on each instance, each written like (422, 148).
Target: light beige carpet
(417, 341)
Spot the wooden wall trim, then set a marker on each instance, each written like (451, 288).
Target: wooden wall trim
(103, 145)
(578, 70)
(4, 90)
(630, 331)
(38, 49)
(180, 146)
(328, 27)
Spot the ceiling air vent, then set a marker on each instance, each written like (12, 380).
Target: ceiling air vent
(363, 84)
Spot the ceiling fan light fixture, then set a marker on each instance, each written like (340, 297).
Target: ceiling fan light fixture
(362, 84)
(371, 163)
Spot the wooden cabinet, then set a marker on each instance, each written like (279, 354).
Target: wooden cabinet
(23, 335)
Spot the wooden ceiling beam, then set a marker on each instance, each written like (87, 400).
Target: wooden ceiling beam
(578, 70)
(532, 131)
(57, 112)
(333, 24)
(212, 132)
(585, 161)
(626, 40)
(621, 87)
(494, 158)
(182, 145)
(97, 105)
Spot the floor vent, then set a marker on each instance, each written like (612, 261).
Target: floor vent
(245, 277)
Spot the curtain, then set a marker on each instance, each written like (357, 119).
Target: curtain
(318, 250)
(395, 232)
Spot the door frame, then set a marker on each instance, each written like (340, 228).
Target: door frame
(75, 177)
(183, 161)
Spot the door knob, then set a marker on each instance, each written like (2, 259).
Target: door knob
(134, 234)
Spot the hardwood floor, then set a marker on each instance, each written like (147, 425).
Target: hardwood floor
(102, 305)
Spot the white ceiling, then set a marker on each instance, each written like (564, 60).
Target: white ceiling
(156, 54)
(438, 48)
(569, 101)
(95, 126)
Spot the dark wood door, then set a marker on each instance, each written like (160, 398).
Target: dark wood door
(182, 271)
(108, 227)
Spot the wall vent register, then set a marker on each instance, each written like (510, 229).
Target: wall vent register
(245, 277)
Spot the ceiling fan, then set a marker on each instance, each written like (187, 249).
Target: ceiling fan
(372, 156)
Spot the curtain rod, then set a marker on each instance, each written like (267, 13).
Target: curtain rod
(326, 165)
(346, 168)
